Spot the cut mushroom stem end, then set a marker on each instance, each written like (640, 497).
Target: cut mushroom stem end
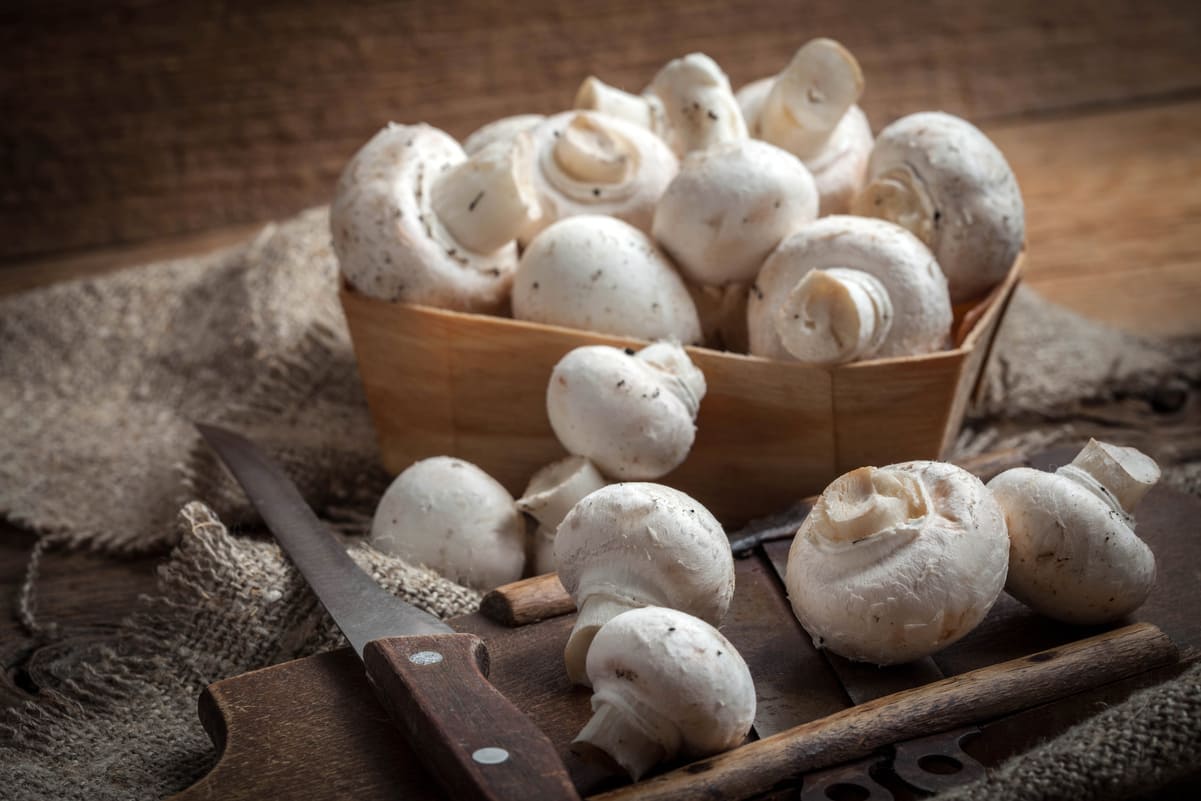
(487, 200)
(590, 152)
(900, 196)
(811, 95)
(613, 736)
(594, 613)
(596, 95)
(1116, 474)
(835, 316)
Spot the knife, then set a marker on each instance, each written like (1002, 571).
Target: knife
(431, 679)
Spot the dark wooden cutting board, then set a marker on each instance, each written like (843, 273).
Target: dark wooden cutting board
(312, 729)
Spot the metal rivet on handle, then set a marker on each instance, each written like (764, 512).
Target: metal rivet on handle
(490, 756)
(425, 658)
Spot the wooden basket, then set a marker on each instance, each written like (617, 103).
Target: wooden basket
(769, 432)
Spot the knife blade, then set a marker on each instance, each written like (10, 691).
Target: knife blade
(431, 679)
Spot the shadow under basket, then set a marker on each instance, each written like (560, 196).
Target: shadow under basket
(769, 432)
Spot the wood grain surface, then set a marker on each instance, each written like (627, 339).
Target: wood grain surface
(129, 120)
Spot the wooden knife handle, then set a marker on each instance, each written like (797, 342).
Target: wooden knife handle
(479, 745)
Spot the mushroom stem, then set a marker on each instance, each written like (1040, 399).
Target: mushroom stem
(596, 611)
(810, 96)
(898, 195)
(616, 734)
(485, 201)
(835, 316)
(1116, 474)
(698, 104)
(588, 152)
(596, 95)
(870, 500)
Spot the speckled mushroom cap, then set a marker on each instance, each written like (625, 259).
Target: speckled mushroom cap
(587, 162)
(728, 208)
(632, 414)
(839, 169)
(945, 181)
(905, 267)
(675, 684)
(451, 516)
(896, 563)
(639, 544)
(1074, 554)
(390, 243)
(502, 130)
(601, 274)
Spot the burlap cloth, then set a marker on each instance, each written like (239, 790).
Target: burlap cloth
(101, 379)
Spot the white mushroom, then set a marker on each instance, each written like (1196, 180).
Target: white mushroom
(665, 684)
(809, 110)
(453, 517)
(548, 498)
(898, 562)
(728, 208)
(602, 274)
(632, 414)
(699, 108)
(941, 178)
(505, 129)
(632, 545)
(414, 221)
(591, 163)
(844, 289)
(689, 104)
(1073, 553)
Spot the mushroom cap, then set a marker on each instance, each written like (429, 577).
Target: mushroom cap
(917, 289)
(390, 243)
(840, 167)
(647, 166)
(601, 274)
(550, 495)
(1071, 555)
(896, 563)
(751, 99)
(686, 685)
(453, 517)
(728, 208)
(633, 419)
(971, 213)
(503, 130)
(646, 545)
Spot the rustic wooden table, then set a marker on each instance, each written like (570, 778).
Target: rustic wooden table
(137, 131)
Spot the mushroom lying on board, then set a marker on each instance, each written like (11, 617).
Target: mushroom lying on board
(689, 104)
(1073, 553)
(898, 562)
(844, 289)
(413, 220)
(591, 163)
(453, 517)
(632, 414)
(728, 208)
(506, 129)
(941, 178)
(601, 274)
(809, 110)
(548, 498)
(632, 545)
(664, 684)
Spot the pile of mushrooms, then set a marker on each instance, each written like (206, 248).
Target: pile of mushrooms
(767, 221)
(669, 214)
